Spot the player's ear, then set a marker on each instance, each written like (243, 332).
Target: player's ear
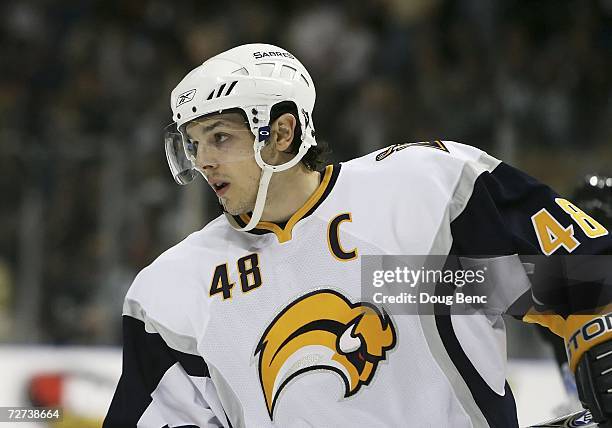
(283, 130)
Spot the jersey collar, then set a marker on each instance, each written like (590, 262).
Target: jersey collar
(283, 231)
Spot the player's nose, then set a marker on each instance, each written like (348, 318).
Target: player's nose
(205, 158)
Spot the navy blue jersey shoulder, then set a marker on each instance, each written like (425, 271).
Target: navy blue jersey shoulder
(497, 218)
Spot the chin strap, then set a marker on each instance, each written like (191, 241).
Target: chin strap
(266, 174)
(260, 202)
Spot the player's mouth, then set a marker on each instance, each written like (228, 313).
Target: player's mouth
(220, 187)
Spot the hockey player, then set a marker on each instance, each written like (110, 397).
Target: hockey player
(257, 319)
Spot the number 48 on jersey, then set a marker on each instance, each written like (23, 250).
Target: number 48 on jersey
(248, 272)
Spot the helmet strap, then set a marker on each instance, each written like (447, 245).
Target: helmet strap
(264, 180)
(260, 201)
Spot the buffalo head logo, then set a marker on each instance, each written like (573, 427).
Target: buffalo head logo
(323, 330)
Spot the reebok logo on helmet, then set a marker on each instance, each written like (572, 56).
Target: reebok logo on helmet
(185, 97)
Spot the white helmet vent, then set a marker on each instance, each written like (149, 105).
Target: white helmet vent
(284, 72)
(287, 72)
(265, 69)
(241, 72)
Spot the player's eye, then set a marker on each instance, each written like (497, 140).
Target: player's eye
(192, 147)
(220, 137)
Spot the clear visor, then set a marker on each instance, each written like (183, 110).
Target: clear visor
(182, 168)
(206, 142)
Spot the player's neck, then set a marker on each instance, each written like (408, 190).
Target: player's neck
(288, 192)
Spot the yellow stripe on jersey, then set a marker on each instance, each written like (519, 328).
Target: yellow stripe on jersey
(284, 234)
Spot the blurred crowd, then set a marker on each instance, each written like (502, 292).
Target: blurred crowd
(84, 90)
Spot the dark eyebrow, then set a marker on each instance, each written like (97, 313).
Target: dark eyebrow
(210, 127)
(216, 124)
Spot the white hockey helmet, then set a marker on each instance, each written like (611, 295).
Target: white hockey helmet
(253, 78)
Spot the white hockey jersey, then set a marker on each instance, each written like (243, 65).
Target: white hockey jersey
(242, 329)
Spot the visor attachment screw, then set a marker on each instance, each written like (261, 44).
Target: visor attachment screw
(254, 111)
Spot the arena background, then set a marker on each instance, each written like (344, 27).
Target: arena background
(87, 200)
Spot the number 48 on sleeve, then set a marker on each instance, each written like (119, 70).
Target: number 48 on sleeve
(552, 235)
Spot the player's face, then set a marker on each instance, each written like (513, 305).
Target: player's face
(223, 146)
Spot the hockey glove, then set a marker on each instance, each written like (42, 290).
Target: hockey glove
(590, 356)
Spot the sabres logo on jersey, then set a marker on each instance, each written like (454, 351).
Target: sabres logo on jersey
(323, 330)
